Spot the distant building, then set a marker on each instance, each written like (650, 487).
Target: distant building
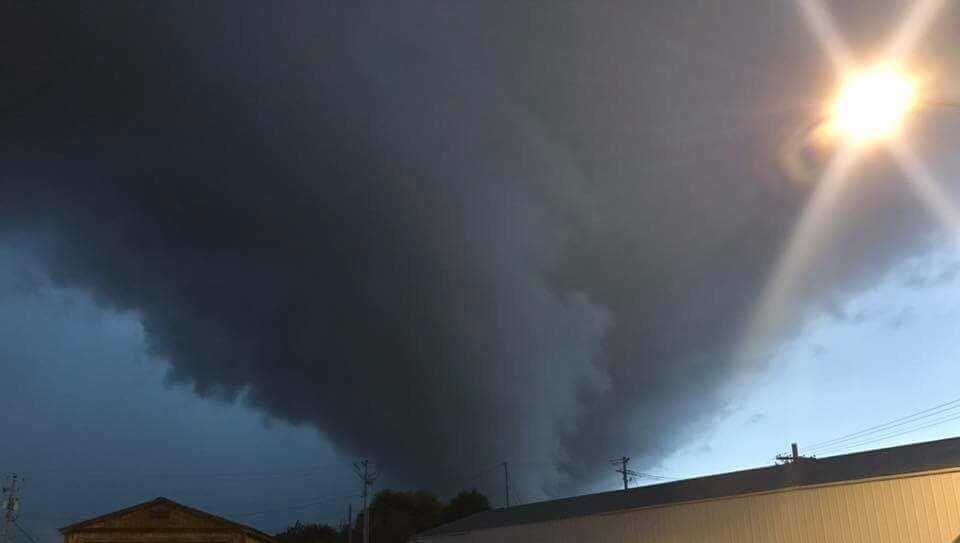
(902, 494)
(161, 521)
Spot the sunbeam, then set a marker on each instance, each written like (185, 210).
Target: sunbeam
(916, 24)
(820, 22)
(801, 248)
(927, 188)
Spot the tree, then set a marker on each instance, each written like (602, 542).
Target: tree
(310, 533)
(396, 516)
(465, 504)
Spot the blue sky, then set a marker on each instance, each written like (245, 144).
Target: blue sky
(891, 353)
(93, 424)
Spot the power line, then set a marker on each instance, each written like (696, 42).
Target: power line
(913, 417)
(874, 439)
(937, 409)
(644, 475)
(463, 481)
(472, 478)
(294, 507)
(318, 501)
(260, 473)
(516, 496)
(24, 532)
(511, 493)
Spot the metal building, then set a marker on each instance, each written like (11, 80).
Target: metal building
(908, 494)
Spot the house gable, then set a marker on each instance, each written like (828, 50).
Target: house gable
(159, 516)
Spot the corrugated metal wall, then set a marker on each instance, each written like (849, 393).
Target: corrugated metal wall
(904, 510)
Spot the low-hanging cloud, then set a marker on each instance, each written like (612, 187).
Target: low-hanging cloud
(443, 235)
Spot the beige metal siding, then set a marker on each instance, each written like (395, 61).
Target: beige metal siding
(915, 509)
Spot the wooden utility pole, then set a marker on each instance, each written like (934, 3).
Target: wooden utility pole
(793, 457)
(628, 474)
(506, 485)
(11, 505)
(367, 477)
(350, 523)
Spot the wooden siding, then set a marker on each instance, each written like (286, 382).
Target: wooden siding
(161, 521)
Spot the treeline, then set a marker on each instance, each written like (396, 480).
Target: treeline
(394, 518)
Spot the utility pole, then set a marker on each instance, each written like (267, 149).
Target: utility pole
(793, 457)
(628, 474)
(506, 484)
(350, 522)
(11, 505)
(367, 477)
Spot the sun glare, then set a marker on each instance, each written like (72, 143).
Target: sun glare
(872, 104)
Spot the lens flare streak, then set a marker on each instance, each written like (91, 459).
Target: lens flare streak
(916, 24)
(801, 248)
(926, 187)
(819, 21)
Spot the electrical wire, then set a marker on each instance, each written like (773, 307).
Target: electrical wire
(320, 501)
(644, 475)
(472, 478)
(311, 469)
(913, 417)
(304, 470)
(875, 439)
(931, 411)
(24, 532)
(516, 497)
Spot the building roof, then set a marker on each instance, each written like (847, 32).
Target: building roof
(253, 532)
(908, 459)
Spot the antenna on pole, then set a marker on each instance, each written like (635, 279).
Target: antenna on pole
(628, 474)
(11, 508)
(367, 476)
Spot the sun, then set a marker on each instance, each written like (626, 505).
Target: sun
(872, 104)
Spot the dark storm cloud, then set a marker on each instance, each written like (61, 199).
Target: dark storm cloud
(287, 230)
(443, 235)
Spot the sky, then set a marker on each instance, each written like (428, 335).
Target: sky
(243, 246)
